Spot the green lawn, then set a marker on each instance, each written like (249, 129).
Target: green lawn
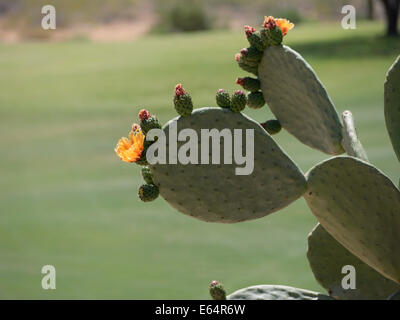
(67, 200)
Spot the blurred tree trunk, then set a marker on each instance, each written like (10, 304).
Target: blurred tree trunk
(392, 14)
(370, 13)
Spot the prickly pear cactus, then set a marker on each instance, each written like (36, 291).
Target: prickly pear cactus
(298, 99)
(392, 105)
(214, 192)
(276, 292)
(327, 258)
(360, 207)
(357, 206)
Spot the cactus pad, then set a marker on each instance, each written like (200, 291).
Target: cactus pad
(327, 258)
(350, 142)
(392, 105)
(360, 207)
(213, 192)
(276, 292)
(298, 99)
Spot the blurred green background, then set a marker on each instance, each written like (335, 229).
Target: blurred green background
(67, 200)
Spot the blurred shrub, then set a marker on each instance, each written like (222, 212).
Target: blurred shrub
(291, 14)
(182, 16)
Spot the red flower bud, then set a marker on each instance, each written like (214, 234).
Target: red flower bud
(221, 90)
(244, 51)
(135, 127)
(214, 283)
(240, 81)
(179, 91)
(239, 92)
(269, 23)
(144, 114)
(249, 30)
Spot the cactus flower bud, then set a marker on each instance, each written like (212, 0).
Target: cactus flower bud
(249, 84)
(255, 100)
(148, 192)
(223, 99)
(269, 23)
(272, 126)
(270, 34)
(217, 290)
(239, 101)
(148, 121)
(182, 101)
(179, 90)
(135, 127)
(254, 38)
(144, 114)
(240, 81)
(251, 56)
(238, 57)
(249, 30)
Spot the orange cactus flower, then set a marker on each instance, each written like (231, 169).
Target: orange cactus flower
(130, 149)
(285, 25)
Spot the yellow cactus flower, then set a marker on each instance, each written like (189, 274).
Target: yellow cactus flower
(130, 149)
(285, 25)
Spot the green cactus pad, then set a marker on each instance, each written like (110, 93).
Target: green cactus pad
(392, 105)
(360, 207)
(327, 258)
(394, 296)
(350, 142)
(299, 100)
(213, 192)
(276, 292)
